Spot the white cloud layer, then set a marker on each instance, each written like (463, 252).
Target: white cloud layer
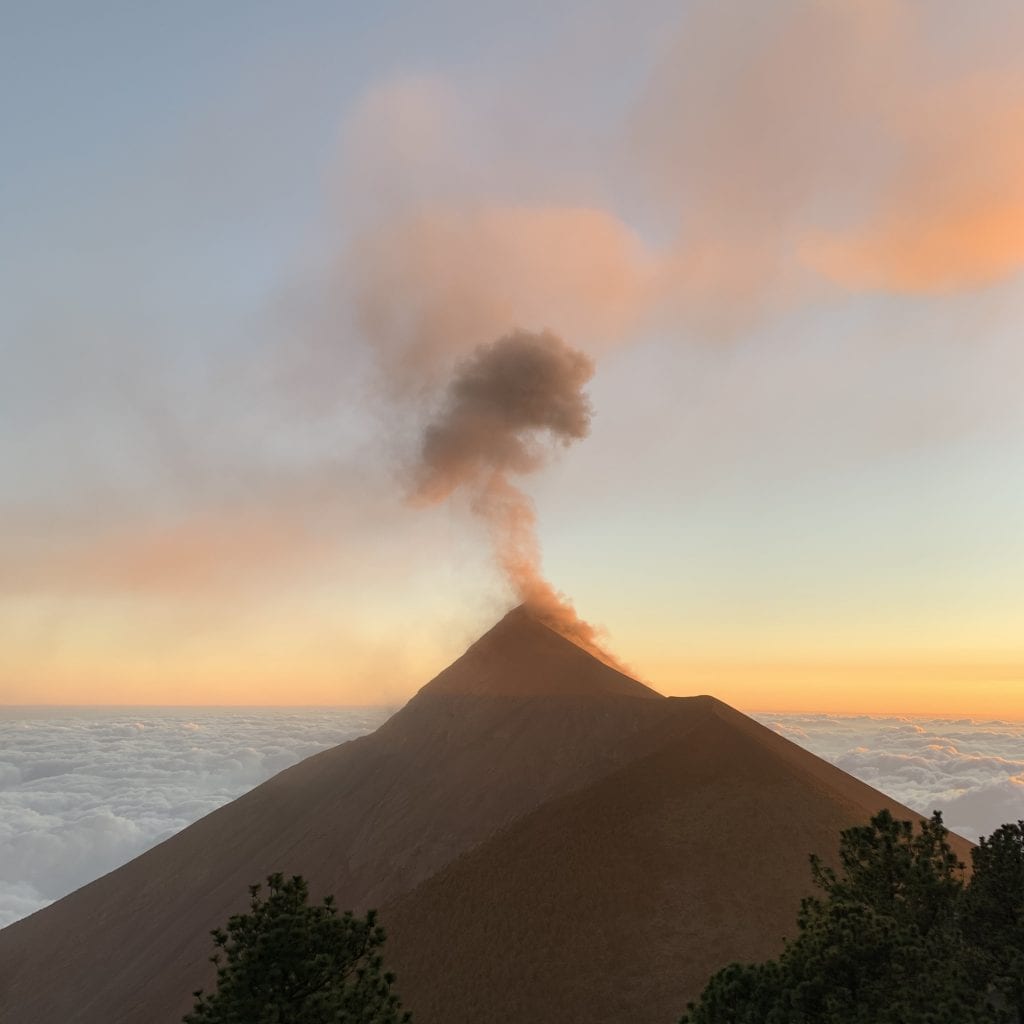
(83, 791)
(972, 771)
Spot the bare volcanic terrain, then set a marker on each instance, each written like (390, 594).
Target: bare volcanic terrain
(548, 839)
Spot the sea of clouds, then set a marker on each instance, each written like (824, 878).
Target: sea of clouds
(83, 791)
(972, 771)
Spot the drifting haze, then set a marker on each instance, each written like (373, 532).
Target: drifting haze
(791, 234)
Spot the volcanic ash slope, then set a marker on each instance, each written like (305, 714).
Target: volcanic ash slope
(548, 840)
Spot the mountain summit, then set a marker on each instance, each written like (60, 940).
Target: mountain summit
(522, 656)
(547, 839)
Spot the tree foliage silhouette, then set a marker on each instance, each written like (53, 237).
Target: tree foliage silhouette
(893, 937)
(289, 962)
(993, 917)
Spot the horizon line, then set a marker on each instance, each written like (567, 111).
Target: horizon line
(933, 716)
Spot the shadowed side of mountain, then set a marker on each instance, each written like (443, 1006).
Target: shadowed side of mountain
(366, 821)
(619, 901)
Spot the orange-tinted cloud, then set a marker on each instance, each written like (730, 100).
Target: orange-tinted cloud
(195, 554)
(874, 145)
(952, 214)
(442, 280)
(878, 145)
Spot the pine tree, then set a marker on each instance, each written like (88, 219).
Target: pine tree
(880, 944)
(993, 918)
(289, 962)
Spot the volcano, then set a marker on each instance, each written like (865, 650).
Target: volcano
(546, 838)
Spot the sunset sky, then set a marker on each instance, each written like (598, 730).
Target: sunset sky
(245, 245)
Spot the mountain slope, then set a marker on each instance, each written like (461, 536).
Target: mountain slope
(618, 902)
(367, 821)
(530, 806)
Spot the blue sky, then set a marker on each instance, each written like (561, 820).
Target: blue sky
(799, 281)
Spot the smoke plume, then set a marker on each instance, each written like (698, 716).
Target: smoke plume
(768, 159)
(504, 408)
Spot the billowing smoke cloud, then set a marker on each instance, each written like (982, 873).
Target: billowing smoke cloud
(771, 156)
(504, 409)
(467, 274)
(767, 159)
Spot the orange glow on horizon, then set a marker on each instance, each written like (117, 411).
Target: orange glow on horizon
(943, 689)
(278, 674)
